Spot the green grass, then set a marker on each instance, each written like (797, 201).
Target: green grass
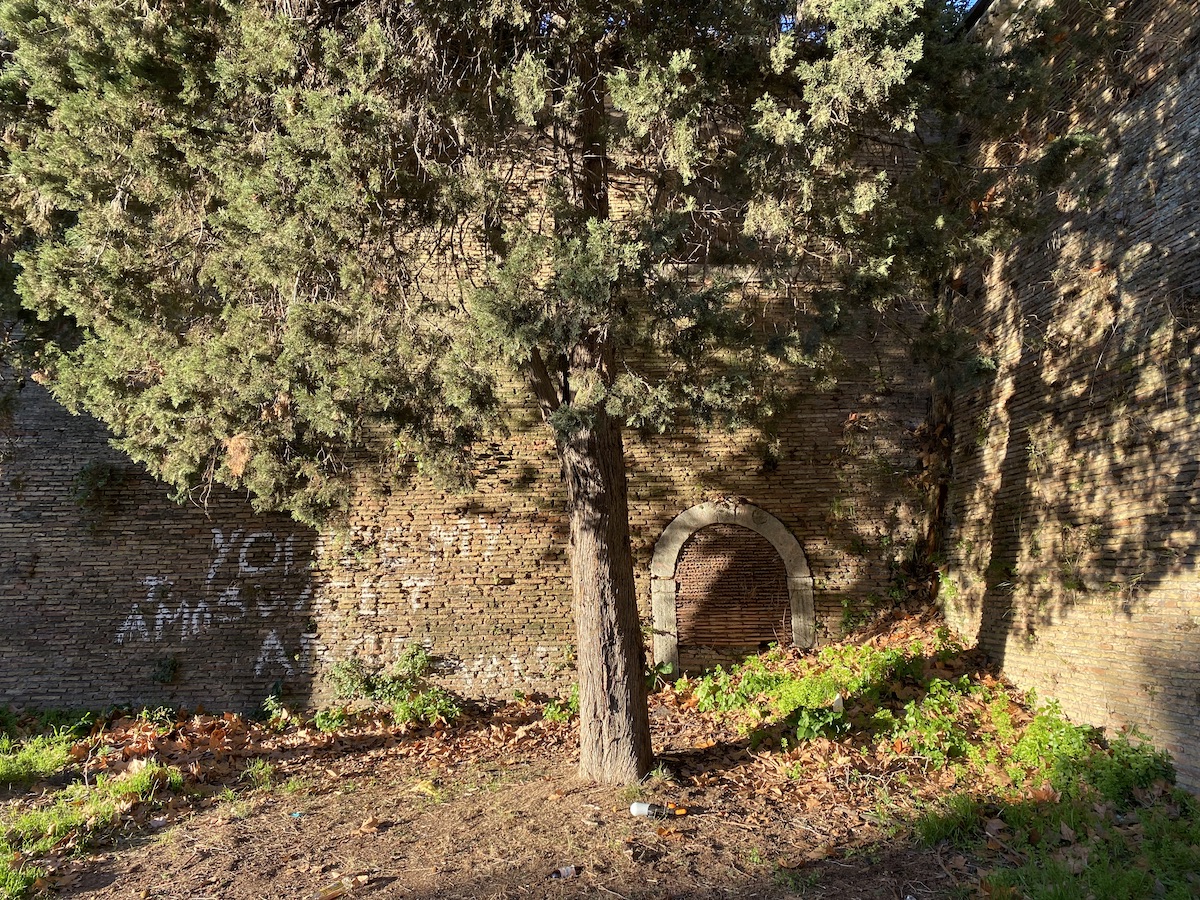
(78, 813)
(23, 762)
(40, 746)
(957, 820)
(16, 883)
(1080, 848)
(1044, 808)
(297, 785)
(259, 773)
(94, 806)
(1085, 817)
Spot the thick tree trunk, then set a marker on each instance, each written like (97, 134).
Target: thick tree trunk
(613, 721)
(614, 724)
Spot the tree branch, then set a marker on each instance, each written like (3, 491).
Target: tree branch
(543, 385)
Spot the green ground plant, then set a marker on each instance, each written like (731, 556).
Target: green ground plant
(957, 820)
(82, 809)
(15, 882)
(297, 785)
(259, 773)
(814, 698)
(426, 707)
(402, 689)
(276, 714)
(23, 762)
(38, 745)
(934, 726)
(1054, 810)
(331, 719)
(1104, 822)
(1031, 804)
(564, 708)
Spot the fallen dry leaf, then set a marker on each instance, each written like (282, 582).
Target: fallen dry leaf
(425, 787)
(369, 826)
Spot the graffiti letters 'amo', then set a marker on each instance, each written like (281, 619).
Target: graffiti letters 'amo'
(243, 582)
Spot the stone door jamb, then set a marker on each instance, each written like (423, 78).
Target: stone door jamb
(664, 588)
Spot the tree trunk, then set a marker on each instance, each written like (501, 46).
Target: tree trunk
(614, 726)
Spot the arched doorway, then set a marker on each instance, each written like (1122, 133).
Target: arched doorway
(731, 597)
(728, 577)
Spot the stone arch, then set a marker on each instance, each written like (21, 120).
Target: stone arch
(664, 589)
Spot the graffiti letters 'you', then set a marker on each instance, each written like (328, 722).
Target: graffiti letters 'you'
(248, 583)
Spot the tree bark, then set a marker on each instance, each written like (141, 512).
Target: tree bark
(614, 726)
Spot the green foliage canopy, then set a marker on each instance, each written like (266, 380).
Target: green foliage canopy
(288, 232)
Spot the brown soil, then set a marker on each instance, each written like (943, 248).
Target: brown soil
(491, 807)
(498, 829)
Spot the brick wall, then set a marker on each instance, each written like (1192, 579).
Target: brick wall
(126, 597)
(112, 594)
(483, 579)
(1076, 503)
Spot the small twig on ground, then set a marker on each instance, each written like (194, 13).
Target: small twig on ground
(920, 887)
(736, 824)
(610, 891)
(961, 878)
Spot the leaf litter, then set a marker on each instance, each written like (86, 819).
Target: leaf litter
(489, 805)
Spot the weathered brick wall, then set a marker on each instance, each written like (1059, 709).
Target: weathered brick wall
(839, 477)
(128, 598)
(483, 579)
(1076, 504)
(480, 578)
(125, 597)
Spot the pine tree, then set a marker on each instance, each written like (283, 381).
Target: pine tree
(288, 233)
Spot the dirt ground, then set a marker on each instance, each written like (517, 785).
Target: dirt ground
(498, 832)
(490, 806)
(490, 811)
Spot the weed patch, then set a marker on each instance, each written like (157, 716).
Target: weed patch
(23, 762)
(1033, 805)
(563, 709)
(259, 773)
(426, 707)
(74, 817)
(401, 690)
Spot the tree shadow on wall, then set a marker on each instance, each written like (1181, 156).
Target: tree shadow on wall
(111, 593)
(1097, 496)
(837, 467)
